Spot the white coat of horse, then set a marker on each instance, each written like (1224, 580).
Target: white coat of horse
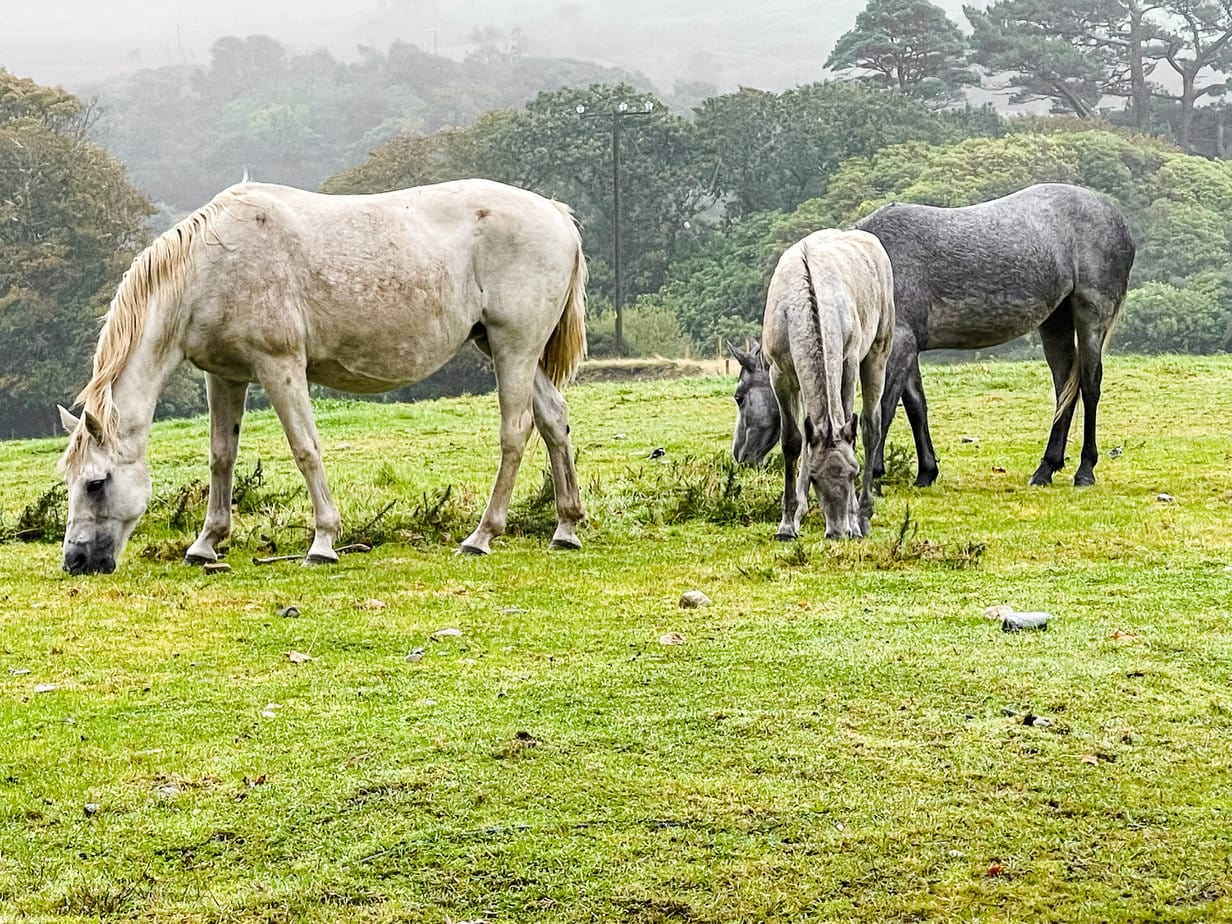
(829, 317)
(284, 287)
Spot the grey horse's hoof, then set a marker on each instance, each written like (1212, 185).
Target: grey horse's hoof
(198, 560)
(472, 550)
(313, 561)
(571, 545)
(1042, 477)
(785, 537)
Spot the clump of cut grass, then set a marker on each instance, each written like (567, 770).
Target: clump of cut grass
(905, 550)
(42, 520)
(713, 489)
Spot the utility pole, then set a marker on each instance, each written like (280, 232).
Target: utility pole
(621, 110)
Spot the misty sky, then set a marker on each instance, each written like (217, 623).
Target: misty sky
(77, 43)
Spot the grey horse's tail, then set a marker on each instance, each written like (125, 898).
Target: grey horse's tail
(1069, 391)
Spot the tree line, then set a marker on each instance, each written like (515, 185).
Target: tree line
(1160, 66)
(710, 196)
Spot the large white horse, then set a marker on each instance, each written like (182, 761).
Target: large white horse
(364, 293)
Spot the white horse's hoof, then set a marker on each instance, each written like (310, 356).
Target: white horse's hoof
(313, 561)
(472, 550)
(570, 543)
(198, 560)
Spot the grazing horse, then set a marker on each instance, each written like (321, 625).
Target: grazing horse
(284, 287)
(1053, 257)
(829, 317)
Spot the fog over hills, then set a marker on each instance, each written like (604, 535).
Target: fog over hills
(727, 43)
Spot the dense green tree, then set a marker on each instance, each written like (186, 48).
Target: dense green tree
(906, 45)
(1046, 49)
(70, 223)
(771, 152)
(1077, 52)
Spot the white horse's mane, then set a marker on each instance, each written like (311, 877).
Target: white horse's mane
(160, 271)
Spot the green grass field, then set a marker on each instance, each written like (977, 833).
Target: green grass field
(840, 736)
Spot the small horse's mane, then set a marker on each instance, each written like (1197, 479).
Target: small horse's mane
(162, 271)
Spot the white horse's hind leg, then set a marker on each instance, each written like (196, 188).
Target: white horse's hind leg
(287, 386)
(514, 386)
(552, 421)
(226, 401)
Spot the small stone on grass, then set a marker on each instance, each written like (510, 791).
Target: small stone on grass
(692, 599)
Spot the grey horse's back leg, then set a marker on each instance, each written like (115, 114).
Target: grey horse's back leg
(1093, 317)
(1057, 338)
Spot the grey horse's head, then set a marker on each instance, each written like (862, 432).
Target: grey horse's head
(108, 490)
(832, 471)
(757, 410)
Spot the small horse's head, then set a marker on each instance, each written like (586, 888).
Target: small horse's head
(108, 490)
(832, 470)
(757, 410)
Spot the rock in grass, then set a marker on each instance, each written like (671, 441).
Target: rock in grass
(1165, 498)
(91, 808)
(215, 567)
(289, 612)
(692, 599)
(1019, 622)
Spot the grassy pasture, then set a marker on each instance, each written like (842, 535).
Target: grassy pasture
(831, 742)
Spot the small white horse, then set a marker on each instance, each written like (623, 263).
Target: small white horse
(284, 287)
(829, 314)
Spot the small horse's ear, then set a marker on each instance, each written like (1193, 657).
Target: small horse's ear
(814, 438)
(848, 433)
(94, 426)
(67, 420)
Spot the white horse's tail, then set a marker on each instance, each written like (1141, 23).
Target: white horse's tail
(566, 347)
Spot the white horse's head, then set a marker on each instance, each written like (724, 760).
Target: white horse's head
(108, 490)
(832, 470)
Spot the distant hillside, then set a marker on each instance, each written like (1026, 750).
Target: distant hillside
(723, 42)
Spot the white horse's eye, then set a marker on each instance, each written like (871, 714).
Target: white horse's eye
(95, 485)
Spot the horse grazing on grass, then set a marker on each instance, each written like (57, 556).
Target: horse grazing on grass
(284, 287)
(829, 317)
(1053, 257)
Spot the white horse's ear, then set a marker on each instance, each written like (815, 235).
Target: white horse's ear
(737, 354)
(848, 433)
(67, 420)
(94, 426)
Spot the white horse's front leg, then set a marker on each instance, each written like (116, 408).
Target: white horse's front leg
(226, 402)
(286, 383)
(514, 385)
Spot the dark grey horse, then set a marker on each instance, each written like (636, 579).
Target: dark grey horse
(1053, 257)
